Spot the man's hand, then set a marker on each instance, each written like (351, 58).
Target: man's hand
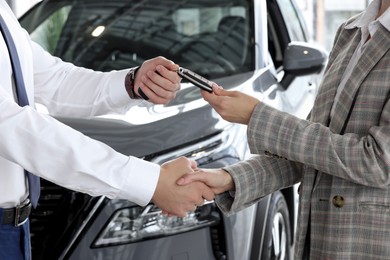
(158, 80)
(179, 200)
(217, 179)
(233, 106)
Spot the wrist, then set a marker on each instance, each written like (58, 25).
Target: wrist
(251, 107)
(228, 181)
(130, 81)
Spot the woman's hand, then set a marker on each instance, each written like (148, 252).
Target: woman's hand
(233, 106)
(218, 180)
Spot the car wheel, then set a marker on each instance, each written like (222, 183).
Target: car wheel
(277, 237)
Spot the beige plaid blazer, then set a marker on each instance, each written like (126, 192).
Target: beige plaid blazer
(342, 162)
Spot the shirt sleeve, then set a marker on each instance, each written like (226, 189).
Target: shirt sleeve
(58, 153)
(68, 90)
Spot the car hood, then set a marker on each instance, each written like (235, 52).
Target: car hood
(149, 130)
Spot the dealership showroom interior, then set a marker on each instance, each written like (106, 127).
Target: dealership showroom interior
(194, 129)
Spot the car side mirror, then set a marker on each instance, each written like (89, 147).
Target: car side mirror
(302, 59)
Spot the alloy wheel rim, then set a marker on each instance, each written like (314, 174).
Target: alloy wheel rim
(279, 236)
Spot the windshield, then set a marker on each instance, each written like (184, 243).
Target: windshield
(209, 37)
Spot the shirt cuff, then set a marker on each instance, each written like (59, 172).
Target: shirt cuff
(118, 93)
(141, 182)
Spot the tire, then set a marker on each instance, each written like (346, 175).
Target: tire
(277, 236)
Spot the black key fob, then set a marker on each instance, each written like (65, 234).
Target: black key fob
(195, 79)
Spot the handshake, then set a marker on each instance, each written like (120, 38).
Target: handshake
(182, 187)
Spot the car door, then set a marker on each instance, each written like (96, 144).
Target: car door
(295, 93)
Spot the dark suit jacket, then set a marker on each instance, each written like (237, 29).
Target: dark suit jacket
(342, 162)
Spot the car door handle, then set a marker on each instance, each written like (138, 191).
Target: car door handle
(311, 87)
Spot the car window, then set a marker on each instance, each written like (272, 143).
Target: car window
(274, 46)
(209, 37)
(48, 32)
(293, 23)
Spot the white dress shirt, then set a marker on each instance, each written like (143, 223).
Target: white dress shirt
(368, 24)
(44, 146)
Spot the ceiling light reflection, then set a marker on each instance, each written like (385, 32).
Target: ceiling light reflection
(98, 31)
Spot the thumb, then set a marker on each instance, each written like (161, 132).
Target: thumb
(219, 91)
(188, 178)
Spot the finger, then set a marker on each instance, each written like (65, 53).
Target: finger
(165, 62)
(156, 94)
(183, 161)
(160, 84)
(173, 67)
(199, 203)
(208, 194)
(149, 95)
(181, 213)
(212, 98)
(166, 213)
(142, 94)
(178, 163)
(217, 89)
(166, 79)
(159, 87)
(191, 164)
(192, 207)
(169, 73)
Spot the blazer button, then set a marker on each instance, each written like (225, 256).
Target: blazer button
(338, 201)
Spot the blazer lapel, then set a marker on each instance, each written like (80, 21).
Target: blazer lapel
(341, 55)
(373, 52)
(338, 61)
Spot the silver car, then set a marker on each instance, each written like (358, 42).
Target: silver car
(256, 46)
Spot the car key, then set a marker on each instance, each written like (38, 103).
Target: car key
(195, 79)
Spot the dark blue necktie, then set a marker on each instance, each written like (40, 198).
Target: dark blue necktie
(33, 181)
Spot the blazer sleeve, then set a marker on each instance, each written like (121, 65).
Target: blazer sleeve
(360, 159)
(255, 178)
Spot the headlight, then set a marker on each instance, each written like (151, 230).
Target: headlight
(128, 225)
